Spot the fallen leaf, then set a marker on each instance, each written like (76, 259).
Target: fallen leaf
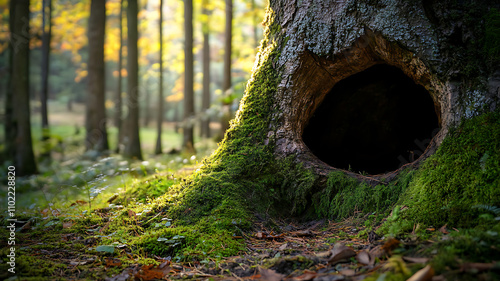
(377, 252)
(67, 224)
(148, 272)
(423, 274)
(76, 262)
(365, 258)
(431, 229)
(443, 229)
(341, 253)
(476, 267)
(323, 254)
(283, 247)
(348, 272)
(112, 262)
(416, 260)
(270, 275)
(391, 244)
(306, 276)
(302, 233)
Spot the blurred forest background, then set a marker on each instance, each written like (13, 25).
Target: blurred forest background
(129, 78)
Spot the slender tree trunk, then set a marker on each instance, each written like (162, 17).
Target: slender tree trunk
(188, 140)
(226, 84)
(159, 124)
(132, 141)
(205, 105)
(118, 98)
(147, 103)
(95, 121)
(24, 158)
(46, 36)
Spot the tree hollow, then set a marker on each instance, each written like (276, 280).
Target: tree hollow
(373, 122)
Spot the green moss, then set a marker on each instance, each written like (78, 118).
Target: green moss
(344, 195)
(465, 171)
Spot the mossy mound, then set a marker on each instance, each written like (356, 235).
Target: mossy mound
(463, 173)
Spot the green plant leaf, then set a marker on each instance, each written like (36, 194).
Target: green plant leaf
(105, 248)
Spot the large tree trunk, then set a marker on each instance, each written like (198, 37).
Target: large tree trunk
(360, 87)
(188, 136)
(95, 115)
(161, 112)
(205, 103)
(46, 36)
(132, 141)
(24, 159)
(323, 43)
(226, 83)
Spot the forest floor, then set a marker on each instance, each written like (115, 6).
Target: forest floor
(315, 250)
(51, 246)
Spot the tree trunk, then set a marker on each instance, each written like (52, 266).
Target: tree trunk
(46, 37)
(188, 137)
(161, 112)
(147, 103)
(118, 97)
(226, 84)
(361, 89)
(24, 159)
(205, 105)
(95, 114)
(132, 141)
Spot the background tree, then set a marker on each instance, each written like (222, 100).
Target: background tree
(24, 158)
(205, 105)
(158, 149)
(118, 96)
(188, 139)
(46, 36)
(95, 116)
(132, 140)
(226, 84)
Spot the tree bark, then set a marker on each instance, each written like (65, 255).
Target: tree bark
(205, 105)
(118, 98)
(46, 37)
(226, 84)
(159, 124)
(95, 114)
(132, 141)
(188, 137)
(24, 158)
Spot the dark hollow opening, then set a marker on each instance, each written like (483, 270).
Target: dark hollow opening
(374, 121)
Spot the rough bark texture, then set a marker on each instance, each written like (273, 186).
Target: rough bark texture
(132, 141)
(95, 115)
(323, 42)
(24, 159)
